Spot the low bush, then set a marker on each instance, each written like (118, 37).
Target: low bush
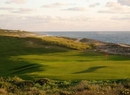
(18, 86)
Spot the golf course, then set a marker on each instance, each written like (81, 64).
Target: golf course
(58, 58)
(32, 64)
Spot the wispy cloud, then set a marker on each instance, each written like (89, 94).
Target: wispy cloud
(16, 1)
(6, 8)
(17, 10)
(124, 2)
(23, 10)
(76, 9)
(59, 4)
(127, 18)
(115, 7)
(106, 11)
(113, 4)
(45, 19)
(94, 5)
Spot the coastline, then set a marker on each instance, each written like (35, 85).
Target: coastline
(100, 46)
(112, 37)
(110, 48)
(106, 47)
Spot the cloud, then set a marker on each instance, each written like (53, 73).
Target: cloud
(124, 2)
(6, 8)
(8, 21)
(51, 19)
(16, 1)
(23, 10)
(76, 9)
(94, 5)
(17, 10)
(113, 4)
(43, 23)
(115, 7)
(25, 22)
(115, 11)
(59, 4)
(41, 19)
(127, 18)
(106, 11)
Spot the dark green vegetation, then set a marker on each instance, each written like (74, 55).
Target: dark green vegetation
(44, 86)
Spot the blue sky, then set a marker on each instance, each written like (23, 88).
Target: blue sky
(65, 15)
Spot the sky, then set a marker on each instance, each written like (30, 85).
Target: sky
(65, 15)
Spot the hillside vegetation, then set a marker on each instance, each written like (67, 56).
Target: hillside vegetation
(34, 39)
(44, 86)
(64, 42)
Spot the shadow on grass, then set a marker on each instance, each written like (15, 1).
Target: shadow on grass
(10, 68)
(23, 68)
(84, 60)
(27, 68)
(15, 46)
(89, 70)
(119, 58)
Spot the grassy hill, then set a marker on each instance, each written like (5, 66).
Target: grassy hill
(13, 44)
(56, 58)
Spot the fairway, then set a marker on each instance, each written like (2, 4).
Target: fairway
(19, 59)
(72, 65)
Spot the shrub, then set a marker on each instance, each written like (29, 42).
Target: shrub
(3, 91)
(125, 92)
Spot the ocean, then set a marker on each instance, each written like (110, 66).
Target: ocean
(112, 37)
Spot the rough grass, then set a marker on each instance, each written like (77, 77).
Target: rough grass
(34, 57)
(65, 42)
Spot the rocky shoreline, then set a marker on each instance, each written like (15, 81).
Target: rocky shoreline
(110, 48)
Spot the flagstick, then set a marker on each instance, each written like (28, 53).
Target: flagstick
(106, 61)
(106, 58)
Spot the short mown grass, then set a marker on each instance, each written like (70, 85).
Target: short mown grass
(34, 57)
(71, 65)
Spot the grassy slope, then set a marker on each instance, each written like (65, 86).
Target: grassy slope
(32, 57)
